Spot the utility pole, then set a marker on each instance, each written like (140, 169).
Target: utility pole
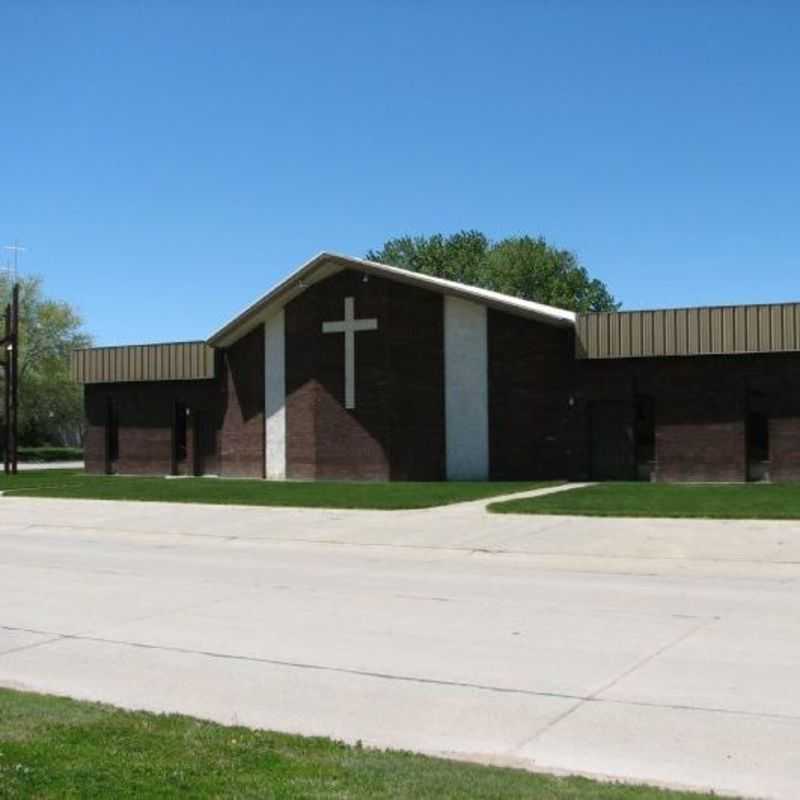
(6, 390)
(10, 363)
(16, 249)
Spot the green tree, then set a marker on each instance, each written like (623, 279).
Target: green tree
(522, 266)
(50, 403)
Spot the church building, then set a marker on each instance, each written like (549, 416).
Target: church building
(353, 370)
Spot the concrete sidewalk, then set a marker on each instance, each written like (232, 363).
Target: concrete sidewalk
(655, 650)
(32, 466)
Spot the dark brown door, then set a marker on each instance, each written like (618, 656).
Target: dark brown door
(757, 445)
(112, 438)
(205, 445)
(612, 442)
(179, 442)
(645, 437)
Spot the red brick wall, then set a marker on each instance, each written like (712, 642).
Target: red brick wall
(231, 406)
(785, 448)
(533, 430)
(145, 420)
(701, 407)
(550, 415)
(396, 430)
(94, 442)
(242, 434)
(777, 382)
(700, 422)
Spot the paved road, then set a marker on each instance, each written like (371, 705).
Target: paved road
(665, 651)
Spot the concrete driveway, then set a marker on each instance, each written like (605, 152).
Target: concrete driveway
(662, 651)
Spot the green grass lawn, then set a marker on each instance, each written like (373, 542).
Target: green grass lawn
(31, 479)
(52, 747)
(721, 501)
(324, 494)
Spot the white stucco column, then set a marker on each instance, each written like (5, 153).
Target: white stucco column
(275, 395)
(466, 393)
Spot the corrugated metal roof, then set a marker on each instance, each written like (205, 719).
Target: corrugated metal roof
(171, 361)
(715, 330)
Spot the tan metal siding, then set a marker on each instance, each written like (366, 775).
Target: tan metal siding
(796, 316)
(173, 358)
(646, 323)
(778, 329)
(734, 330)
(693, 331)
(625, 343)
(748, 319)
(790, 339)
(764, 328)
(636, 333)
(173, 361)
(689, 331)
(613, 336)
(591, 334)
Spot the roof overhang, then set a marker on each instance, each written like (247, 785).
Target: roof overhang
(326, 264)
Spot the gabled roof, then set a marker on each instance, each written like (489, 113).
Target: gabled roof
(326, 264)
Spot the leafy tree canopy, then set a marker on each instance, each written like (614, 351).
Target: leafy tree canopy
(50, 404)
(521, 266)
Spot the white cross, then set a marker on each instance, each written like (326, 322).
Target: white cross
(349, 326)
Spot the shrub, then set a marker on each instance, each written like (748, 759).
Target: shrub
(44, 454)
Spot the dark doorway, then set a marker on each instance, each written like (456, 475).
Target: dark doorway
(179, 440)
(205, 445)
(645, 437)
(757, 445)
(112, 438)
(611, 441)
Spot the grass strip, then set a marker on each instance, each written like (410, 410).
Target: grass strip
(52, 747)
(669, 500)
(386, 495)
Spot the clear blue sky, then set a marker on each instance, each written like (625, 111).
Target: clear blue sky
(166, 162)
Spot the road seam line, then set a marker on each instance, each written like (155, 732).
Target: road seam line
(32, 645)
(400, 678)
(594, 696)
(465, 548)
